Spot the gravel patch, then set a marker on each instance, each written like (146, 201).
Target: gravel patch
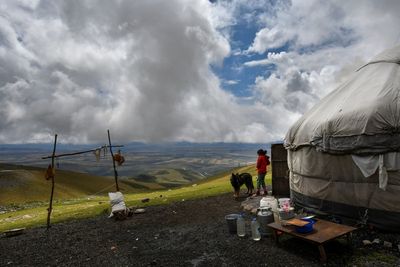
(188, 233)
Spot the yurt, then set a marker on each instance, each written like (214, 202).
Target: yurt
(344, 153)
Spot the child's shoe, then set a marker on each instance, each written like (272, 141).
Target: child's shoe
(265, 191)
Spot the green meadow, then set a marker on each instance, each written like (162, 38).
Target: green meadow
(77, 195)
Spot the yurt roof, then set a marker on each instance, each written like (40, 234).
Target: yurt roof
(361, 116)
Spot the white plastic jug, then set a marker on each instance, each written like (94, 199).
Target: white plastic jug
(269, 202)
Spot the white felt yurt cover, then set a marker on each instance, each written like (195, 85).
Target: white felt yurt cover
(344, 154)
(362, 116)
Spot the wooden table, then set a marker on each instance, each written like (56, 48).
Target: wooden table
(323, 231)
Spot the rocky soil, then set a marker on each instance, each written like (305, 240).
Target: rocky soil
(188, 233)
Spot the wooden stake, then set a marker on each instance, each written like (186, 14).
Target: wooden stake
(112, 157)
(77, 153)
(52, 183)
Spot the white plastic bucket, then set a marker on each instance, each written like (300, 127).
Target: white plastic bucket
(269, 202)
(284, 202)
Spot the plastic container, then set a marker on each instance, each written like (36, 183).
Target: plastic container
(240, 226)
(255, 230)
(284, 202)
(231, 222)
(306, 228)
(269, 202)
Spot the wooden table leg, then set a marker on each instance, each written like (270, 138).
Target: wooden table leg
(349, 239)
(275, 235)
(322, 253)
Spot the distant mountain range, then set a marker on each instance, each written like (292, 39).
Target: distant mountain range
(157, 163)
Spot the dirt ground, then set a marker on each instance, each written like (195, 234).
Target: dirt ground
(188, 233)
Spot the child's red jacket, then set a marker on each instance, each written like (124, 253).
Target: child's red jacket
(262, 163)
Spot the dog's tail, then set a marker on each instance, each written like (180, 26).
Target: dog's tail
(251, 185)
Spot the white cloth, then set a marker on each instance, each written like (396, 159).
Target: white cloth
(117, 202)
(385, 162)
(367, 164)
(383, 176)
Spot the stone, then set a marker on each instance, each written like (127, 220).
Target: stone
(139, 211)
(387, 244)
(251, 204)
(376, 241)
(366, 242)
(247, 207)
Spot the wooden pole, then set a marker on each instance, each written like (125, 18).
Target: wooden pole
(112, 158)
(77, 153)
(52, 183)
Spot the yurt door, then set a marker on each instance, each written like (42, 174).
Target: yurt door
(280, 171)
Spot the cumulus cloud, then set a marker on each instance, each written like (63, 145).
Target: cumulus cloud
(231, 82)
(321, 45)
(142, 68)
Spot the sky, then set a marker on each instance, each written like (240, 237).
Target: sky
(178, 70)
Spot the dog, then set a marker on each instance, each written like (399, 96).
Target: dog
(237, 180)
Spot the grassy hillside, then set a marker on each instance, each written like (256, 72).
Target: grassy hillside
(87, 207)
(24, 184)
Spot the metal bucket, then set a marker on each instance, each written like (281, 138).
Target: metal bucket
(265, 217)
(286, 214)
(231, 222)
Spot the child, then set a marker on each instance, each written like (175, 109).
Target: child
(262, 163)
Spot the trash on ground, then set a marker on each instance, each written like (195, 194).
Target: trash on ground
(14, 232)
(118, 208)
(139, 211)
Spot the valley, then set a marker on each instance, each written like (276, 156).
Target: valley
(147, 167)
